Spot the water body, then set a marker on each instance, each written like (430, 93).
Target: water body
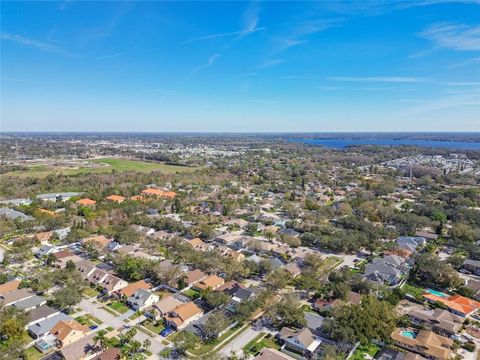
(343, 143)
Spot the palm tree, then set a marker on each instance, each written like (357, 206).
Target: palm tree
(101, 339)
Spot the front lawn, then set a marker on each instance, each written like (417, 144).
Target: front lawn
(192, 294)
(118, 307)
(259, 342)
(415, 291)
(371, 350)
(90, 292)
(207, 347)
(32, 353)
(154, 327)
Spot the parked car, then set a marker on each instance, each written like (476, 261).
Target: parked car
(167, 331)
(93, 327)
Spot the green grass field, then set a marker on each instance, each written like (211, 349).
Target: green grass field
(109, 165)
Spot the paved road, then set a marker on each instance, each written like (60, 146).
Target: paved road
(115, 322)
(237, 344)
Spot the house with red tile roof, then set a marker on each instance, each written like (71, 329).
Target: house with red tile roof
(159, 193)
(86, 202)
(115, 198)
(456, 304)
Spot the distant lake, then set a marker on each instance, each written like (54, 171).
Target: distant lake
(343, 143)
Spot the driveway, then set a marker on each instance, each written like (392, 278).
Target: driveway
(115, 322)
(237, 344)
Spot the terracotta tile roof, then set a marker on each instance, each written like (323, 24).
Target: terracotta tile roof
(212, 281)
(100, 240)
(184, 312)
(130, 289)
(63, 254)
(86, 202)
(195, 276)
(44, 236)
(196, 242)
(63, 328)
(427, 343)
(115, 198)
(109, 354)
(48, 212)
(159, 193)
(9, 286)
(457, 303)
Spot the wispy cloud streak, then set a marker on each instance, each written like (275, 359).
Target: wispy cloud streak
(459, 37)
(210, 62)
(380, 79)
(21, 40)
(110, 56)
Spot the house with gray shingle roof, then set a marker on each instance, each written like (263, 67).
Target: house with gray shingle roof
(41, 328)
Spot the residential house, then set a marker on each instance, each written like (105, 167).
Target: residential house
(386, 271)
(210, 282)
(299, 343)
(9, 286)
(272, 354)
(159, 193)
(44, 237)
(98, 241)
(472, 266)
(456, 304)
(39, 314)
(68, 331)
(142, 299)
(198, 244)
(183, 315)
(112, 283)
(230, 287)
(82, 349)
(161, 308)
(15, 296)
(65, 196)
(97, 276)
(115, 198)
(30, 303)
(425, 343)
(293, 269)
(85, 268)
(438, 320)
(198, 327)
(130, 289)
(14, 214)
(194, 277)
(43, 327)
(390, 354)
(427, 235)
(474, 285)
(63, 257)
(44, 251)
(314, 323)
(109, 354)
(323, 305)
(86, 202)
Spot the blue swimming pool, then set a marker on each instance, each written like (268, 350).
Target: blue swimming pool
(437, 293)
(409, 334)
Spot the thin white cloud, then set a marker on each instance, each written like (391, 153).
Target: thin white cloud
(210, 62)
(270, 63)
(468, 98)
(249, 25)
(110, 56)
(473, 61)
(458, 37)
(379, 79)
(298, 34)
(21, 40)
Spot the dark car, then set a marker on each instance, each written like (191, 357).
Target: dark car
(167, 331)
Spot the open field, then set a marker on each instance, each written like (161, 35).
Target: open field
(96, 166)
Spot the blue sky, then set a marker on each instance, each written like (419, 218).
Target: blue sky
(240, 66)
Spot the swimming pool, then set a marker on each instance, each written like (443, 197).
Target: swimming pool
(409, 334)
(437, 293)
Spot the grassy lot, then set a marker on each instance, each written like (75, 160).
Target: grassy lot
(259, 342)
(32, 353)
(330, 263)
(209, 346)
(135, 316)
(415, 291)
(89, 320)
(153, 327)
(90, 292)
(118, 307)
(192, 294)
(108, 165)
(370, 349)
(308, 308)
